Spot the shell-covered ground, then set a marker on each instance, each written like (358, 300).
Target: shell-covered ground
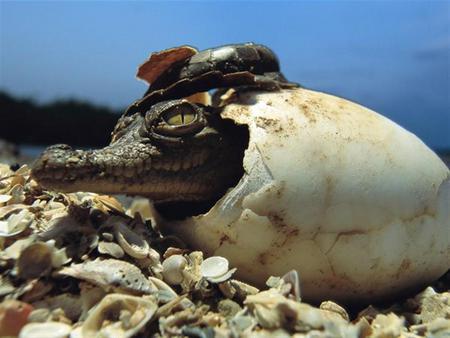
(83, 265)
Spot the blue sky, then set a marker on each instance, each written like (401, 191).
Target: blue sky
(392, 56)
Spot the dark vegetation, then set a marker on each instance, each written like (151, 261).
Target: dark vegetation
(73, 122)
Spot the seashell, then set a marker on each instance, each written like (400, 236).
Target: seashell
(17, 195)
(165, 292)
(59, 256)
(288, 285)
(13, 251)
(243, 289)
(172, 269)
(111, 273)
(387, 325)
(192, 274)
(5, 171)
(6, 287)
(333, 307)
(214, 266)
(154, 256)
(272, 311)
(215, 269)
(8, 209)
(133, 244)
(432, 305)
(71, 305)
(222, 278)
(53, 208)
(110, 248)
(180, 302)
(111, 203)
(39, 316)
(143, 207)
(34, 261)
(4, 198)
(13, 316)
(438, 328)
(228, 308)
(118, 315)
(38, 288)
(150, 264)
(47, 330)
(16, 223)
(293, 280)
(174, 251)
(356, 227)
(90, 295)
(107, 236)
(24, 170)
(242, 322)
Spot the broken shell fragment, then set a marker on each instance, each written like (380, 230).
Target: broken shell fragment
(16, 223)
(17, 195)
(158, 62)
(46, 329)
(172, 269)
(111, 273)
(214, 266)
(34, 261)
(165, 292)
(118, 315)
(4, 198)
(110, 203)
(352, 201)
(133, 244)
(215, 269)
(335, 308)
(110, 248)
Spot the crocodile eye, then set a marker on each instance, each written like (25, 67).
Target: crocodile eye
(178, 117)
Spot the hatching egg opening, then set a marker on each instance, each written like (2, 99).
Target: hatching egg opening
(351, 200)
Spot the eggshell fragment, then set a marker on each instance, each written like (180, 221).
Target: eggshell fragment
(356, 204)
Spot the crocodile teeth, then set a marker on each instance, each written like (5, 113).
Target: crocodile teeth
(157, 165)
(187, 164)
(167, 165)
(130, 170)
(176, 165)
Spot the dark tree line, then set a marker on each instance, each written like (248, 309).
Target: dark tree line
(72, 122)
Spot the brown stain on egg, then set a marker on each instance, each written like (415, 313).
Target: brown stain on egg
(273, 125)
(311, 116)
(404, 266)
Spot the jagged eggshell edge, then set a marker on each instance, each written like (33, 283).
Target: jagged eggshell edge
(355, 203)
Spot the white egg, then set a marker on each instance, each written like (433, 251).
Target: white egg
(352, 201)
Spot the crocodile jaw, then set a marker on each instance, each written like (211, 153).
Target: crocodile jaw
(131, 169)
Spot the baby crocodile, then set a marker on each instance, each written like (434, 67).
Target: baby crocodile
(170, 150)
(176, 151)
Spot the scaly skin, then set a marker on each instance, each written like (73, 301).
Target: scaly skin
(177, 151)
(164, 147)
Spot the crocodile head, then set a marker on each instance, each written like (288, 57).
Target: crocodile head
(176, 151)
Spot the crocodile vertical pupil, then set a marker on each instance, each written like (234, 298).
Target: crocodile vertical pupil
(179, 117)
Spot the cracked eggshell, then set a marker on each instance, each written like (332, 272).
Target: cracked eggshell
(355, 203)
